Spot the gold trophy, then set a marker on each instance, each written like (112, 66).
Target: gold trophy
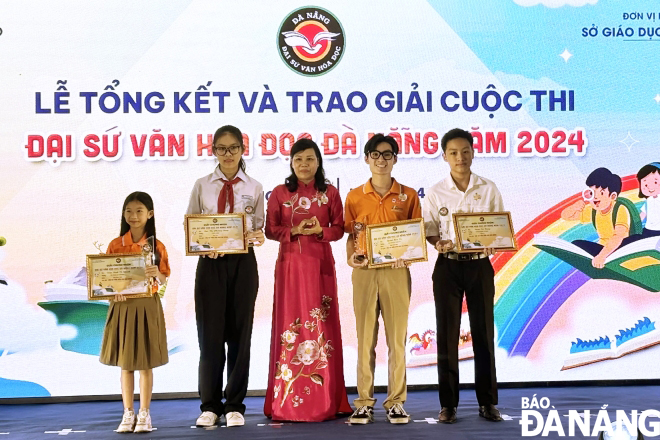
(358, 233)
(249, 219)
(148, 254)
(249, 212)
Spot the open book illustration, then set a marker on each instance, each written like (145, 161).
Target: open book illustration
(636, 263)
(642, 335)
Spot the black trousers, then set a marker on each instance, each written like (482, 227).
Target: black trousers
(475, 279)
(595, 248)
(225, 294)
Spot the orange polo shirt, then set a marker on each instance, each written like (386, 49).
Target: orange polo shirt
(125, 245)
(364, 205)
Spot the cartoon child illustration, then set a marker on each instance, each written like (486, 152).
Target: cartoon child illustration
(649, 189)
(615, 218)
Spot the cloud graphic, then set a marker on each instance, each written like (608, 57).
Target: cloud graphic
(23, 326)
(522, 83)
(514, 81)
(555, 3)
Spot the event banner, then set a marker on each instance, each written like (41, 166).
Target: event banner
(102, 99)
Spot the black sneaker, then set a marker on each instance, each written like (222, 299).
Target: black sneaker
(362, 416)
(396, 414)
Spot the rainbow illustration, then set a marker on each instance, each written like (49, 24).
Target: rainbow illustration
(531, 285)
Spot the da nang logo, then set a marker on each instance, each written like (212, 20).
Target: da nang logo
(311, 41)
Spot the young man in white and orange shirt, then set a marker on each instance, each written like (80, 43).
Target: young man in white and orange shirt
(378, 291)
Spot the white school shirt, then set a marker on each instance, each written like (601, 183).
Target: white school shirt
(247, 192)
(444, 198)
(652, 210)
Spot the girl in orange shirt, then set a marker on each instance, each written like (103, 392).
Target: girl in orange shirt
(134, 336)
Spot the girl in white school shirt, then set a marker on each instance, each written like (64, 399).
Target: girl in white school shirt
(226, 285)
(649, 189)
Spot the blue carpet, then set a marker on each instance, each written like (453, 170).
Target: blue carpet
(174, 418)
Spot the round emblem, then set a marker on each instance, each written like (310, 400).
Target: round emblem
(394, 228)
(249, 210)
(311, 41)
(444, 211)
(146, 248)
(358, 226)
(403, 197)
(215, 220)
(118, 260)
(481, 219)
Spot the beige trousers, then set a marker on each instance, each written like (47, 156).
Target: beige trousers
(385, 291)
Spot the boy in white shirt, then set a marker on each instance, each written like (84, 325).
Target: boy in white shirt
(455, 275)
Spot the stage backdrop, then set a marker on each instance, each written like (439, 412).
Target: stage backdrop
(99, 100)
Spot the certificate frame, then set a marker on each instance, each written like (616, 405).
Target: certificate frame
(500, 223)
(215, 219)
(375, 233)
(134, 273)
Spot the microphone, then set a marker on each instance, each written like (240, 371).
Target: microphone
(3, 241)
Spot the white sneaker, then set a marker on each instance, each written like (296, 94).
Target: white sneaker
(206, 419)
(143, 421)
(397, 415)
(362, 416)
(235, 418)
(127, 422)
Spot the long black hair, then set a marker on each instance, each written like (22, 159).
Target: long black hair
(320, 182)
(150, 227)
(234, 131)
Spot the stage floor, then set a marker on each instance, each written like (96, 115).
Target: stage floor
(174, 419)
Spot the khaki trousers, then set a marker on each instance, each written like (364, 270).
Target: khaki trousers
(385, 291)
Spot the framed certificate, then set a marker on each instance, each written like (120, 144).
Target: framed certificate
(222, 233)
(476, 231)
(387, 242)
(110, 274)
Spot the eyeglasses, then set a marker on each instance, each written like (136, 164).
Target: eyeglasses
(387, 155)
(222, 151)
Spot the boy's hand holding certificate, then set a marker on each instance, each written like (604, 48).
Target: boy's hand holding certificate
(396, 244)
